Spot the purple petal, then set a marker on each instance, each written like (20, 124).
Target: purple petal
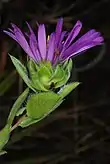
(42, 41)
(60, 45)
(79, 48)
(22, 41)
(58, 31)
(10, 34)
(51, 46)
(33, 46)
(74, 32)
(86, 39)
(99, 39)
(50, 37)
(10, 30)
(90, 35)
(30, 29)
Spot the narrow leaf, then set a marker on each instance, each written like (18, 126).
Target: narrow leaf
(17, 105)
(58, 74)
(67, 89)
(4, 136)
(22, 71)
(28, 121)
(69, 65)
(20, 111)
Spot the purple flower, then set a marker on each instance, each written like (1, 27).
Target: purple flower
(59, 47)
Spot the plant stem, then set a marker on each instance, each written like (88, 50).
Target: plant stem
(18, 123)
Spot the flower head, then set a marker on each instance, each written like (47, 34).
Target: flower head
(59, 46)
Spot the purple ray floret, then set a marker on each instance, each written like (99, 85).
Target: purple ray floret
(59, 47)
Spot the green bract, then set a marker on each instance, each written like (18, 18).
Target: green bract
(49, 83)
(43, 76)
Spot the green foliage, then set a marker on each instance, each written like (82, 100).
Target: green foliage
(40, 77)
(20, 111)
(57, 75)
(4, 137)
(41, 103)
(22, 71)
(17, 106)
(43, 76)
(64, 91)
(29, 121)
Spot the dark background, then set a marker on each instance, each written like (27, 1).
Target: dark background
(79, 131)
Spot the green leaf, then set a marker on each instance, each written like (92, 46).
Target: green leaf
(32, 66)
(20, 111)
(49, 66)
(58, 74)
(17, 105)
(40, 104)
(44, 74)
(38, 85)
(40, 78)
(64, 65)
(8, 81)
(22, 71)
(4, 136)
(67, 89)
(62, 82)
(29, 121)
(69, 65)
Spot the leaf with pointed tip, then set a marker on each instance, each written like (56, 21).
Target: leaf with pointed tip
(32, 66)
(58, 74)
(64, 91)
(40, 104)
(64, 65)
(48, 65)
(38, 85)
(40, 78)
(67, 69)
(62, 82)
(69, 65)
(22, 71)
